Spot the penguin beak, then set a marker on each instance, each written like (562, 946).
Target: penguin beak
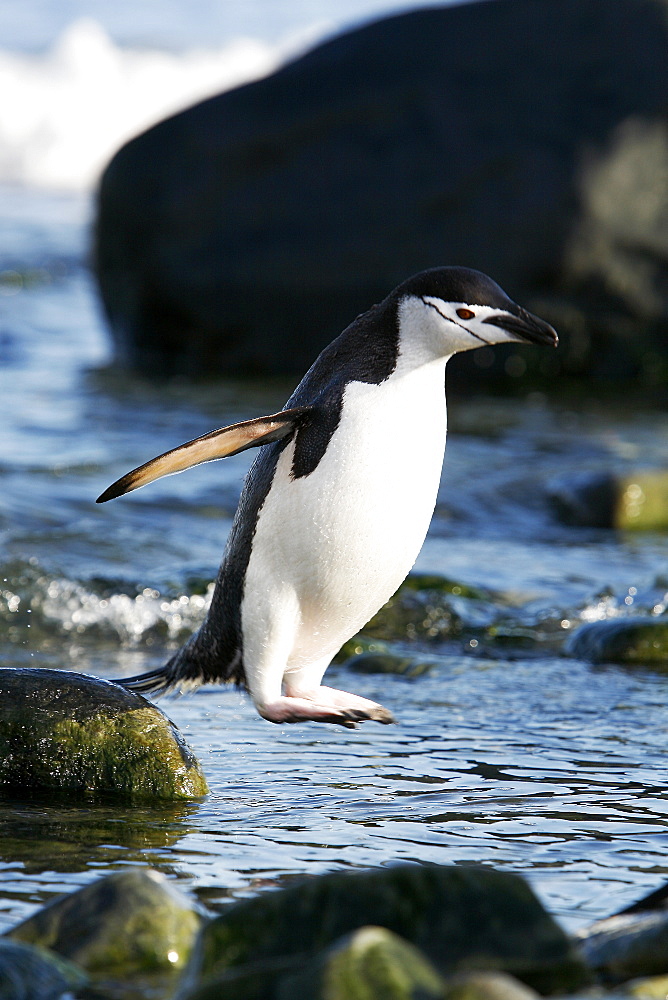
(523, 325)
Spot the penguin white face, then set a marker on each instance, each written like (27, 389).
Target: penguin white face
(451, 309)
(452, 327)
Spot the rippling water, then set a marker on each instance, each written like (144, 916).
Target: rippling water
(506, 753)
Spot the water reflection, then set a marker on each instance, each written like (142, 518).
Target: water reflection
(47, 849)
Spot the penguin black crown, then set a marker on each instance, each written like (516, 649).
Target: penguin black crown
(337, 504)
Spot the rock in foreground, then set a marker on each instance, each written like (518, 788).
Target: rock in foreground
(459, 917)
(69, 733)
(126, 924)
(372, 962)
(628, 945)
(29, 973)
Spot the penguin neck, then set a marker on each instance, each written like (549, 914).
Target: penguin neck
(419, 345)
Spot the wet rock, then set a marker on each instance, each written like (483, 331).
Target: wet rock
(459, 917)
(29, 973)
(652, 987)
(428, 606)
(487, 986)
(125, 924)
(637, 502)
(622, 640)
(389, 663)
(627, 946)
(372, 963)
(68, 733)
(433, 582)
(259, 981)
(243, 234)
(585, 500)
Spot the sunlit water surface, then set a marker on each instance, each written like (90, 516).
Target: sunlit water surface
(508, 755)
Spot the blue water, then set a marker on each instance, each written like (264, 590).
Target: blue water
(510, 755)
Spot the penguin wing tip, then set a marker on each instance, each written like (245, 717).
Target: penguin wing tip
(117, 489)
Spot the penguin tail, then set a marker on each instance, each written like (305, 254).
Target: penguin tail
(155, 682)
(178, 676)
(187, 670)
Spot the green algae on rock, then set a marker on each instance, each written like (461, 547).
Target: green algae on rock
(27, 971)
(371, 963)
(69, 733)
(487, 986)
(389, 663)
(622, 640)
(461, 918)
(128, 923)
(633, 502)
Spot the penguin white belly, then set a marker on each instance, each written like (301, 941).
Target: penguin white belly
(331, 548)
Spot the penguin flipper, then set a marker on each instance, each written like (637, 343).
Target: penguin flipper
(216, 444)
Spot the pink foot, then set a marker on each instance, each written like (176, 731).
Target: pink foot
(325, 705)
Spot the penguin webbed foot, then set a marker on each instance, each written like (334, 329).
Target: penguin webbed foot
(326, 705)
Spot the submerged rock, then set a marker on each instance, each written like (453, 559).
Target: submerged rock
(125, 924)
(30, 973)
(459, 917)
(66, 732)
(622, 640)
(635, 502)
(389, 663)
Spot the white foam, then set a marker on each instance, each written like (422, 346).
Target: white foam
(64, 113)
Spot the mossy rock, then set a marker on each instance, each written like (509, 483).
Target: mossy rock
(125, 924)
(31, 973)
(487, 986)
(72, 734)
(443, 585)
(372, 963)
(642, 501)
(427, 606)
(459, 917)
(635, 502)
(622, 640)
(648, 988)
(389, 663)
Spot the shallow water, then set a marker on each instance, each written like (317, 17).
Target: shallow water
(507, 752)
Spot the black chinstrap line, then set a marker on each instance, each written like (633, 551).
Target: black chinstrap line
(449, 319)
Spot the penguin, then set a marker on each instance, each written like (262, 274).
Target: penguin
(336, 505)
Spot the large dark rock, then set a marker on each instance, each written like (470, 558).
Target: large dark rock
(462, 918)
(529, 140)
(63, 732)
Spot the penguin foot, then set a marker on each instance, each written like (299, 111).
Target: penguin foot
(325, 705)
(370, 710)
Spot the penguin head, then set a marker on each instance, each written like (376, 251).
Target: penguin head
(459, 309)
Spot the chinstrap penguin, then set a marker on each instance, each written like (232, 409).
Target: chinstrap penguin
(337, 504)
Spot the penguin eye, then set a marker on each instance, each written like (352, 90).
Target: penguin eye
(466, 314)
